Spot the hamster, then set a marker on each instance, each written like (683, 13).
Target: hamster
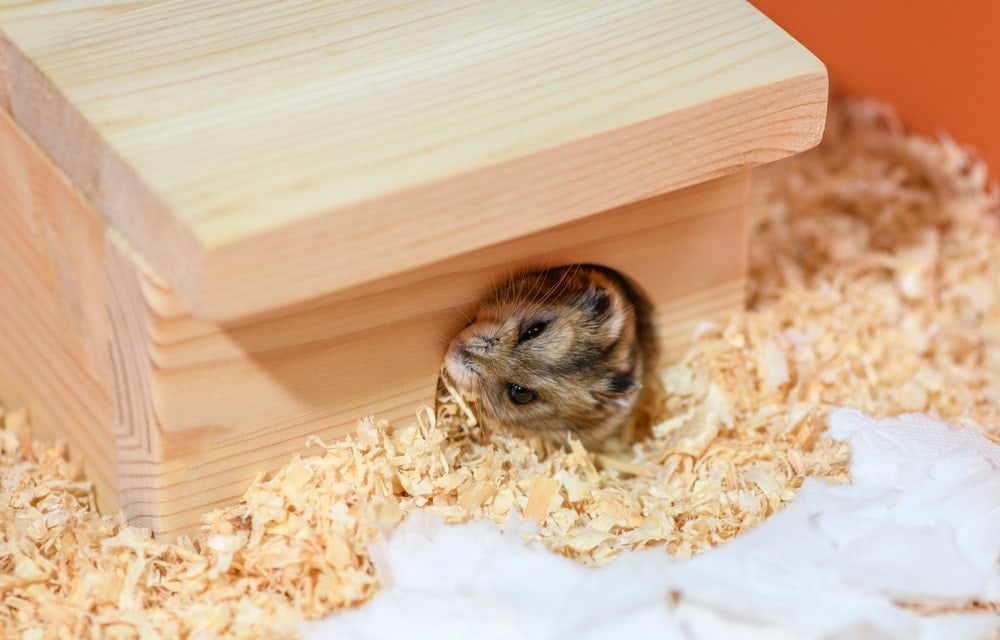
(564, 351)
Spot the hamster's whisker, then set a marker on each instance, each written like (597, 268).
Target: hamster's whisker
(496, 283)
(537, 292)
(565, 275)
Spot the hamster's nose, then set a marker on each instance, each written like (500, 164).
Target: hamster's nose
(479, 345)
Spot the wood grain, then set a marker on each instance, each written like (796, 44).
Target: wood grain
(262, 153)
(53, 330)
(201, 408)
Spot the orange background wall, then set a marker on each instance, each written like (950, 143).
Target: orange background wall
(937, 62)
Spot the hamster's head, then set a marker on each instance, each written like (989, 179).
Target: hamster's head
(551, 351)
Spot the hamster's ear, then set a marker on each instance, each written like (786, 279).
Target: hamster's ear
(604, 307)
(596, 302)
(618, 390)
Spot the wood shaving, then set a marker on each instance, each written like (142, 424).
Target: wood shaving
(285, 551)
(874, 282)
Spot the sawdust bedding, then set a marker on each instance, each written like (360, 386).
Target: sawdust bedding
(874, 282)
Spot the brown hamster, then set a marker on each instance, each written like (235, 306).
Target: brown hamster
(568, 350)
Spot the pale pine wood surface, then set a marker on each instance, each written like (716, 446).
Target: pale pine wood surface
(53, 329)
(201, 409)
(259, 153)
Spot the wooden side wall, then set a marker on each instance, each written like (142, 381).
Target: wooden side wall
(53, 328)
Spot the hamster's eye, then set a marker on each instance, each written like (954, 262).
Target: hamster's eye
(534, 330)
(519, 394)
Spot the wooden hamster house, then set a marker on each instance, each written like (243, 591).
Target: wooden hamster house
(228, 225)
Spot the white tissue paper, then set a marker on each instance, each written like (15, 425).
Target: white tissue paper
(920, 522)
